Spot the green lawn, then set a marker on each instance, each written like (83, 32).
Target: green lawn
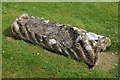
(25, 60)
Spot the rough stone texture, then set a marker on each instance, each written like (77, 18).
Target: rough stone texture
(66, 40)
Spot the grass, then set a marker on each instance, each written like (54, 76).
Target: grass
(25, 60)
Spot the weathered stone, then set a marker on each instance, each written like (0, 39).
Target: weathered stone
(66, 40)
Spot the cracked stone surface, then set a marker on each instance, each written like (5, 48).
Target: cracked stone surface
(63, 39)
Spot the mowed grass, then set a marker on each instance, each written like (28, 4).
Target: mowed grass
(21, 59)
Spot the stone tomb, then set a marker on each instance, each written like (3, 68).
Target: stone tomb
(63, 39)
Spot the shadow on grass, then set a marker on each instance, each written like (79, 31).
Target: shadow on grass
(7, 32)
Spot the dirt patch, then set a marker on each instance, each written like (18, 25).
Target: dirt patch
(10, 39)
(107, 61)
